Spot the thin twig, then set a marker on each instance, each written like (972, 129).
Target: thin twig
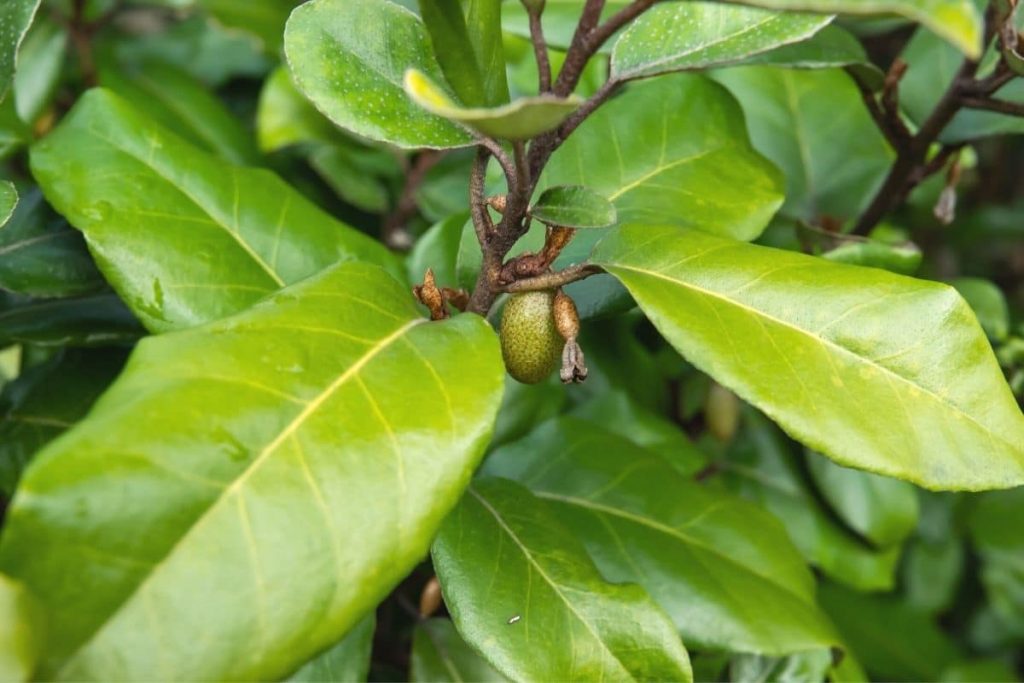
(477, 203)
(579, 51)
(393, 229)
(992, 104)
(540, 51)
(551, 280)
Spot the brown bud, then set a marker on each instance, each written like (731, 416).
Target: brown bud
(430, 296)
(574, 367)
(567, 320)
(498, 202)
(430, 598)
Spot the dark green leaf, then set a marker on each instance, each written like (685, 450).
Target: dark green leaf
(814, 126)
(762, 467)
(932, 570)
(183, 237)
(350, 57)
(254, 505)
(995, 533)
(681, 159)
(881, 509)
(704, 556)
(439, 654)
(573, 206)
(829, 48)
(176, 100)
(687, 36)
(41, 255)
(885, 373)
(47, 400)
(93, 320)
(347, 661)
(522, 119)
(524, 592)
(8, 202)
(466, 35)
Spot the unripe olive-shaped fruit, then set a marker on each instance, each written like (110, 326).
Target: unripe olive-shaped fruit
(530, 343)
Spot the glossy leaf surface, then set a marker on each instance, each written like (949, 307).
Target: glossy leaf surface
(813, 126)
(520, 120)
(348, 661)
(686, 36)
(704, 556)
(15, 18)
(440, 654)
(350, 57)
(41, 255)
(170, 225)
(466, 35)
(573, 206)
(275, 462)
(678, 161)
(880, 372)
(524, 592)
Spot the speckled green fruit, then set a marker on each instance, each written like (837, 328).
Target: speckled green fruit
(530, 343)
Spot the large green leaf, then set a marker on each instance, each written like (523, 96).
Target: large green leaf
(183, 237)
(467, 39)
(686, 36)
(761, 466)
(877, 371)
(522, 119)
(276, 459)
(21, 631)
(92, 320)
(524, 592)
(957, 21)
(440, 654)
(347, 661)
(881, 509)
(178, 101)
(46, 400)
(41, 255)
(350, 57)
(705, 556)
(672, 150)
(814, 126)
(15, 18)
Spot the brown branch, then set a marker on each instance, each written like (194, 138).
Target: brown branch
(477, 204)
(552, 280)
(540, 52)
(996, 105)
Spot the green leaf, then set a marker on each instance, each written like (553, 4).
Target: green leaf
(988, 303)
(15, 18)
(276, 462)
(869, 624)
(46, 400)
(957, 21)
(904, 259)
(350, 57)
(93, 320)
(761, 466)
(683, 159)
(348, 661)
(183, 237)
(993, 532)
(884, 373)
(440, 654)
(814, 126)
(524, 592)
(41, 255)
(177, 101)
(687, 36)
(8, 202)
(829, 48)
(704, 556)
(466, 35)
(264, 19)
(882, 510)
(21, 631)
(287, 118)
(932, 571)
(41, 60)
(573, 206)
(525, 118)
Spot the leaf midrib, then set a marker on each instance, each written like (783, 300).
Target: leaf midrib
(311, 407)
(824, 342)
(554, 586)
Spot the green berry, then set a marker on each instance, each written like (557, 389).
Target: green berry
(530, 343)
